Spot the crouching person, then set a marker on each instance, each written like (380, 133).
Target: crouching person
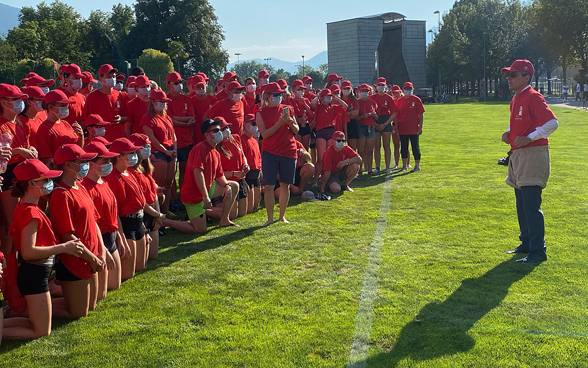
(340, 165)
(204, 180)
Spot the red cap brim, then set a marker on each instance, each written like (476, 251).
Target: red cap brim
(52, 174)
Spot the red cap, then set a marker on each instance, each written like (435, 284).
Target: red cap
(60, 71)
(100, 150)
(33, 92)
(249, 117)
(203, 76)
(173, 77)
(9, 90)
(334, 88)
(272, 87)
(37, 80)
(34, 169)
(346, 84)
(282, 83)
(158, 95)
(131, 80)
(520, 65)
(307, 78)
(74, 70)
(28, 76)
(219, 82)
(333, 76)
(87, 77)
(407, 85)
(197, 80)
(229, 76)
(120, 77)
(142, 81)
(223, 122)
(396, 88)
(106, 69)
(338, 134)
(71, 152)
(363, 87)
(139, 139)
(298, 83)
(57, 95)
(123, 145)
(381, 80)
(263, 74)
(234, 85)
(101, 140)
(326, 92)
(94, 119)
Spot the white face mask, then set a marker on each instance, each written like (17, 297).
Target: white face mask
(100, 131)
(63, 112)
(264, 81)
(226, 133)
(18, 106)
(407, 92)
(200, 92)
(178, 88)
(328, 99)
(364, 94)
(277, 100)
(300, 93)
(132, 92)
(339, 145)
(251, 88)
(381, 88)
(236, 97)
(144, 91)
(39, 105)
(76, 84)
(45, 90)
(252, 129)
(308, 86)
(346, 92)
(118, 86)
(109, 82)
(218, 137)
(160, 106)
(105, 169)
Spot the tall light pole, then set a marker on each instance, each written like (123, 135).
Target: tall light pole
(485, 89)
(267, 60)
(237, 54)
(439, 19)
(303, 70)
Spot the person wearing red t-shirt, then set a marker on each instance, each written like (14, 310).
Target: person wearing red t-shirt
(72, 83)
(249, 98)
(201, 103)
(277, 128)
(105, 203)
(223, 91)
(350, 129)
(397, 95)
(531, 123)
(107, 103)
(138, 106)
(34, 114)
(95, 126)
(37, 247)
(386, 112)
(304, 171)
(302, 112)
(308, 94)
(87, 83)
(232, 108)
(341, 165)
(158, 126)
(365, 127)
(205, 180)
(410, 126)
(253, 156)
(74, 217)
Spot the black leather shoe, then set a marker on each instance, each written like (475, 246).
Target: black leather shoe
(533, 258)
(520, 249)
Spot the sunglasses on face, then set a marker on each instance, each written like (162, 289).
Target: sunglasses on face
(175, 83)
(340, 140)
(277, 94)
(225, 128)
(215, 130)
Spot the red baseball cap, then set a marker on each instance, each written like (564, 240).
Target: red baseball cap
(123, 145)
(37, 80)
(158, 95)
(101, 140)
(272, 87)
(139, 139)
(396, 88)
(28, 76)
(263, 74)
(99, 149)
(381, 80)
(203, 76)
(106, 69)
(87, 77)
(407, 85)
(307, 78)
(363, 87)
(197, 80)
(229, 76)
(71, 152)
(74, 70)
(234, 85)
(11, 91)
(33, 92)
(131, 80)
(333, 76)
(34, 169)
(120, 77)
(520, 65)
(173, 77)
(94, 119)
(249, 117)
(223, 122)
(334, 88)
(338, 134)
(142, 81)
(326, 92)
(282, 83)
(298, 83)
(219, 82)
(346, 84)
(57, 95)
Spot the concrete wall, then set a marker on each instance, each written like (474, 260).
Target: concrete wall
(414, 49)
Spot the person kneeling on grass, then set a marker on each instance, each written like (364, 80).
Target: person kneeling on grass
(204, 180)
(304, 172)
(340, 165)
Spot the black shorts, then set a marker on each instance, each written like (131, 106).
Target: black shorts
(148, 222)
(337, 177)
(63, 274)
(158, 156)
(313, 139)
(297, 176)
(184, 152)
(272, 165)
(33, 279)
(304, 130)
(133, 227)
(381, 120)
(352, 132)
(109, 240)
(8, 177)
(325, 133)
(252, 179)
(242, 189)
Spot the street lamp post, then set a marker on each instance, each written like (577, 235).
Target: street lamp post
(303, 70)
(267, 60)
(485, 89)
(238, 54)
(439, 19)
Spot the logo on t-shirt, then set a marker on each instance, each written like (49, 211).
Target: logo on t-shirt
(413, 104)
(185, 107)
(520, 111)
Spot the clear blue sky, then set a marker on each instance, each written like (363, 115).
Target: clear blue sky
(290, 28)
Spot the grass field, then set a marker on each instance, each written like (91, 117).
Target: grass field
(288, 295)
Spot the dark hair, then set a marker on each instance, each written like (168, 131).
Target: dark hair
(222, 149)
(19, 188)
(249, 79)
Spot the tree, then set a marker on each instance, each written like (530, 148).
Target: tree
(44, 68)
(175, 50)
(157, 65)
(7, 61)
(279, 74)
(246, 69)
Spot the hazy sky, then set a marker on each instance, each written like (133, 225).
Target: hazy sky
(283, 29)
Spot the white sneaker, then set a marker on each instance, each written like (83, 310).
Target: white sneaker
(405, 168)
(388, 171)
(409, 166)
(395, 167)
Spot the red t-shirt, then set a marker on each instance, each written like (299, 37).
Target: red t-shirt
(107, 106)
(20, 136)
(105, 204)
(126, 98)
(33, 125)
(309, 95)
(201, 106)
(128, 193)
(300, 150)
(25, 213)
(54, 135)
(163, 129)
(221, 96)
(251, 150)
(365, 107)
(148, 185)
(409, 109)
(528, 111)
(232, 112)
(236, 162)
(385, 102)
(326, 115)
(181, 106)
(205, 157)
(282, 142)
(72, 210)
(249, 103)
(76, 109)
(137, 108)
(353, 106)
(331, 157)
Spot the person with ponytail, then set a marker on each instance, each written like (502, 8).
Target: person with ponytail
(350, 129)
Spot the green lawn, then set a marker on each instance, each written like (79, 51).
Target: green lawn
(287, 295)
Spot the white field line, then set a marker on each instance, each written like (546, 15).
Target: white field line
(363, 320)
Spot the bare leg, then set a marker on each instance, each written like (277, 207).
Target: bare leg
(284, 199)
(387, 153)
(305, 175)
(270, 202)
(128, 263)
(361, 144)
(93, 292)
(377, 149)
(243, 207)
(228, 202)
(352, 143)
(141, 247)
(102, 283)
(38, 324)
(369, 153)
(351, 172)
(396, 142)
(195, 225)
(154, 246)
(77, 299)
(114, 275)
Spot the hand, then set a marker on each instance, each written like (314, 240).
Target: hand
(123, 249)
(521, 141)
(394, 129)
(245, 169)
(174, 153)
(160, 190)
(97, 264)
(34, 151)
(74, 247)
(5, 153)
(116, 119)
(420, 130)
(24, 153)
(380, 127)
(109, 261)
(191, 122)
(506, 137)
(207, 204)
(148, 238)
(77, 129)
(341, 164)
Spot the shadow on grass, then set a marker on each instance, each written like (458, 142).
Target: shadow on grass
(441, 329)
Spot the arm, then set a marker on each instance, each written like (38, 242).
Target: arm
(103, 252)
(325, 178)
(121, 243)
(392, 117)
(30, 251)
(199, 177)
(86, 255)
(542, 131)
(420, 124)
(266, 133)
(340, 102)
(154, 142)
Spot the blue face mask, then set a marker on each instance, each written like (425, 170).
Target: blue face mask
(145, 153)
(18, 106)
(105, 169)
(46, 188)
(277, 100)
(132, 159)
(84, 168)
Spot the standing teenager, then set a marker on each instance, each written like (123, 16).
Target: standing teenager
(386, 112)
(410, 126)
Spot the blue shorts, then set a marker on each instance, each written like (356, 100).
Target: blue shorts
(272, 165)
(325, 133)
(158, 156)
(365, 131)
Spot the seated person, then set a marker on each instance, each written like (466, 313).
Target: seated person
(340, 165)
(304, 171)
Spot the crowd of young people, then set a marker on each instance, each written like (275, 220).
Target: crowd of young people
(102, 163)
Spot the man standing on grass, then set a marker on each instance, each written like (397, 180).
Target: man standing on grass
(531, 122)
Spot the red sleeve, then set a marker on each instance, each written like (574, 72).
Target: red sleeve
(421, 108)
(61, 212)
(147, 120)
(393, 107)
(44, 145)
(214, 110)
(190, 111)
(539, 111)
(219, 168)
(124, 109)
